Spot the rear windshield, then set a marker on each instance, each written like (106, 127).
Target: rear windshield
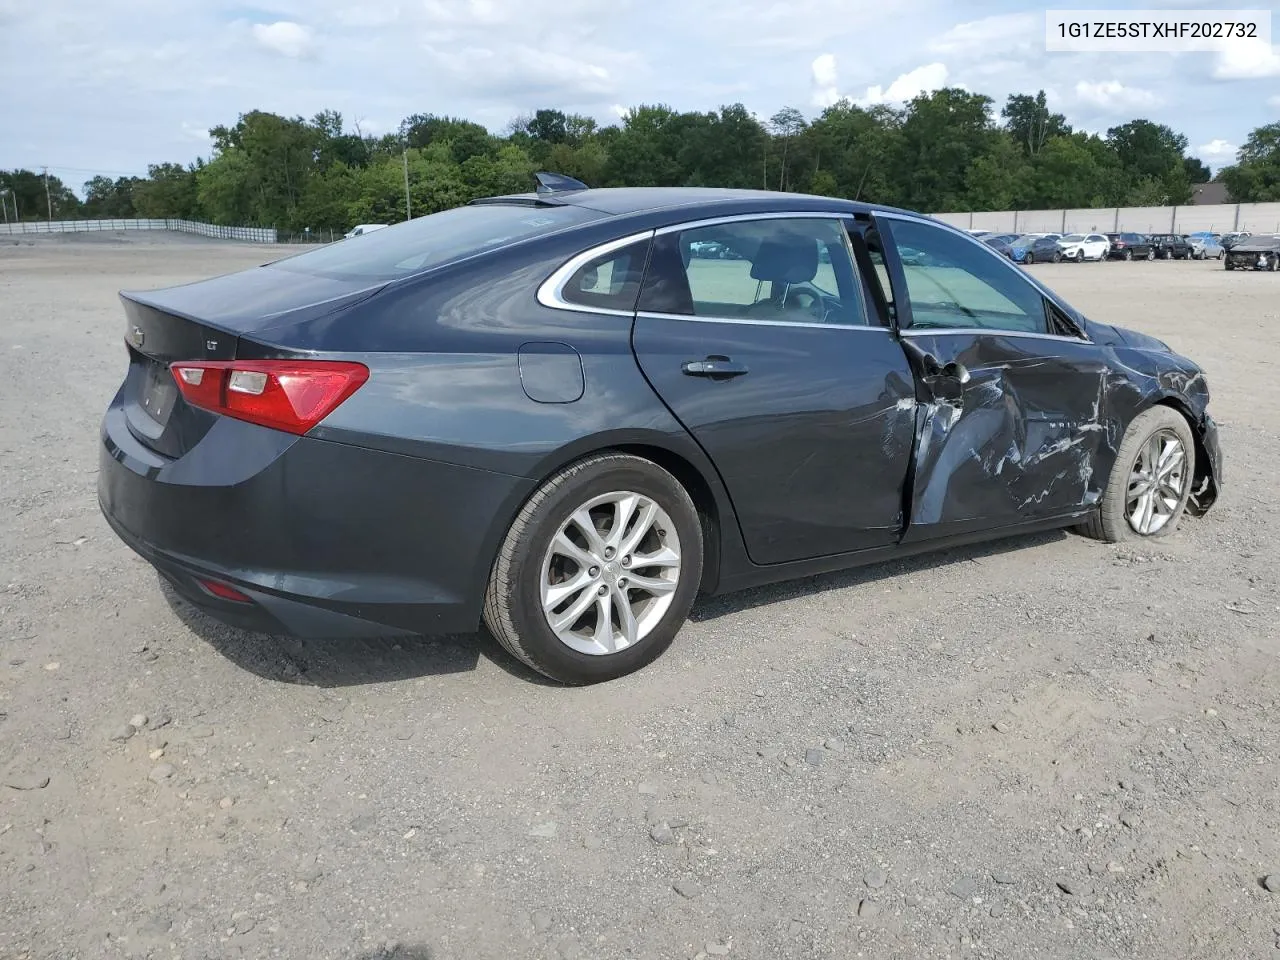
(438, 238)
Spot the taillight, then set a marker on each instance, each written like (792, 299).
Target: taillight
(225, 592)
(289, 395)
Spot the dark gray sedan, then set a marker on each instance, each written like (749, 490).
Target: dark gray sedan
(565, 414)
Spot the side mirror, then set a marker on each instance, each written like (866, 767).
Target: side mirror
(957, 371)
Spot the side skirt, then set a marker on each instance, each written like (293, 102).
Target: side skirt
(756, 575)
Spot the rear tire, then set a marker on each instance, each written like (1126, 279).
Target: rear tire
(1114, 522)
(517, 602)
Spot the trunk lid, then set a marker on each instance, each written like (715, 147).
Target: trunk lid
(211, 320)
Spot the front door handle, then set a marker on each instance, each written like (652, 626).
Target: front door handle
(715, 367)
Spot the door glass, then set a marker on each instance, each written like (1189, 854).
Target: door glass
(611, 280)
(780, 271)
(953, 282)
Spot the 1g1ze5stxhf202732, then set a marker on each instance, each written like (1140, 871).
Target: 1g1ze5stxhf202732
(1155, 31)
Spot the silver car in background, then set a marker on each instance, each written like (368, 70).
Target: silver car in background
(1205, 247)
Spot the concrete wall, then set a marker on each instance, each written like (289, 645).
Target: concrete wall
(248, 234)
(1254, 217)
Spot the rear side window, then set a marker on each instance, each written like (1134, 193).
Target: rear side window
(776, 270)
(611, 281)
(433, 240)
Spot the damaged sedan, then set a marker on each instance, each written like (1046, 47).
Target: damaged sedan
(566, 414)
(1254, 253)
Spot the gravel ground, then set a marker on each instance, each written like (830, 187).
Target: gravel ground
(1041, 748)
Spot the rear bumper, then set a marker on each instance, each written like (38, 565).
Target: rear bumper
(326, 539)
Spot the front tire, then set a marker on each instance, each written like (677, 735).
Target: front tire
(1151, 255)
(1150, 480)
(1029, 258)
(598, 571)
(1128, 254)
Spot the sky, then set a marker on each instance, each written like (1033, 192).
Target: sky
(108, 86)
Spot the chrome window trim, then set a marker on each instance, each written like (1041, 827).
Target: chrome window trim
(742, 217)
(1006, 262)
(551, 290)
(650, 315)
(987, 331)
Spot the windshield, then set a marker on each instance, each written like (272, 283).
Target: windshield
(435, 239)
(1026, 240)
(1073, 238)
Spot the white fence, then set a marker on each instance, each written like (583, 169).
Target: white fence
(1220, 218)
(249, 234)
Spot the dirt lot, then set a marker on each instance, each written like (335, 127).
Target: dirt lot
(1042, 748)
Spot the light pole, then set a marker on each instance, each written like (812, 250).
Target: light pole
(408, 210)
(47, 200)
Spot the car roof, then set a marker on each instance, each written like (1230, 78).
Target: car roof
(621, 201)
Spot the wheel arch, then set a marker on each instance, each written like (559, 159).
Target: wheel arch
(689, 467)
(1202, 479)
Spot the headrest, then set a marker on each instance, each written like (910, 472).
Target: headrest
(787, 260)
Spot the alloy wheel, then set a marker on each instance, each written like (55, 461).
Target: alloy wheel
(610, 573)
(1156, 483)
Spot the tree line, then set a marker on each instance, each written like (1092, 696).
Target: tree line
(949, 150)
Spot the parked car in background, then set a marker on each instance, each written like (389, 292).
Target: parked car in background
(1171, 246)
(1041, 250)
(1255, 253)
(1021, 244)
(1205, 246)
(1129, 246)
(1084, 246)
(1000, 245)
(541, 413)
(1229, 240)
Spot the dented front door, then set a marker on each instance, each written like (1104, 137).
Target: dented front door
(1009, 399)
(1016, 441)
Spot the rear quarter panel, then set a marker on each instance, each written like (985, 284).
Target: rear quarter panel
(444, 354)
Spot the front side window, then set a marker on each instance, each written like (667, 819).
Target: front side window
(954, 283)
(774, 270)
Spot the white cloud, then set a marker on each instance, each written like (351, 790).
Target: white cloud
(1247, 60)
(194, 132)
(284, 37)
(1005, 33)
(926, 79)
(1112, 96)
(521, 69)
(825, 80)
(1217, 151)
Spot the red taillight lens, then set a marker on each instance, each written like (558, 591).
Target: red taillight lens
(225, 592)
(289, 395)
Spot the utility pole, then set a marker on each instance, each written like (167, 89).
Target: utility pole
(46, 194)
(408, 210)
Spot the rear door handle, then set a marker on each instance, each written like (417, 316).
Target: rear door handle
(714, 367)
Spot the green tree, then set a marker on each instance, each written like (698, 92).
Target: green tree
(1031, 123)
(1152, 152)
(943, 133)
(170, 191)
